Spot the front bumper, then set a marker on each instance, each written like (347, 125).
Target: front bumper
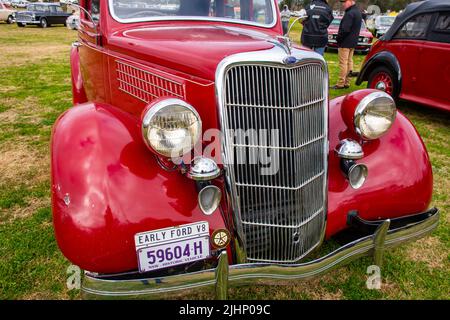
(28, 22)
(361, 47)
(387, 234)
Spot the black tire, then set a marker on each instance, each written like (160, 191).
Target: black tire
(378, 73)
(44, 23)
(10, 20)
(20, 25)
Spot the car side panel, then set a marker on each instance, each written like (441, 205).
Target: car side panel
(434, 74)
(407, 53)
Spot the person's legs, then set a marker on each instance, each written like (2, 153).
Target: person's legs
(343, 66)
(285, 26)
(351, 60)
(349, 66)
(320, 51)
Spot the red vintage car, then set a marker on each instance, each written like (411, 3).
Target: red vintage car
(365, 36)
(412, 61)
(202, 151)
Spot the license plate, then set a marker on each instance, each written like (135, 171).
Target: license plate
(164, 248)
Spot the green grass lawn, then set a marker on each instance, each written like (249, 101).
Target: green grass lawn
(35, 88)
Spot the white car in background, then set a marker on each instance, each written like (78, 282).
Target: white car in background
(6, 14)
(73, 22)
(19, 3)
(382, 25)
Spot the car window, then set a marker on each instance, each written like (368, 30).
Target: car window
(415, 28)
(39, 8)
(441, 30)
(59, 10)
(443, 22)
(337, 23)
(95, 9)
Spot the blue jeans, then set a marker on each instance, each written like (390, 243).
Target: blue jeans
(320, 51)
(285, 25)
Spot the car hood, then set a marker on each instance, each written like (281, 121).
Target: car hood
(25, 13)
(195, 50)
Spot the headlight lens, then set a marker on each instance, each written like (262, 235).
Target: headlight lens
(375, 115)
(171, 128)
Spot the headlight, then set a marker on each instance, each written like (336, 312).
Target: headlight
(366, 40)
(375, 115)
(330, 37)
(171, 127)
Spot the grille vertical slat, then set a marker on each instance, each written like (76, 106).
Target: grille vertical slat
(282, 214)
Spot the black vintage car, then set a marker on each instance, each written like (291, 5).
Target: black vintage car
(42, 15)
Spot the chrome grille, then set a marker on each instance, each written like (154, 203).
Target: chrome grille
(282, 215)
(24, 17)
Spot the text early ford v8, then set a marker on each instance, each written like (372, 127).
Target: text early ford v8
(202, 152)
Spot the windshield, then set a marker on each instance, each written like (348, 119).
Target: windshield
(243, 11)
(337, 23)
(387, 21)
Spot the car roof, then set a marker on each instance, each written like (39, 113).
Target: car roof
(415, 8)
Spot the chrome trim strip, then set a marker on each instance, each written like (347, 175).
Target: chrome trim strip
(280, 148)
(284, 188)
(181, 18)
(256, 273)
(275, 107)
(315, 214)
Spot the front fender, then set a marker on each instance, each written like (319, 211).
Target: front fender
(400, 180)
(107, 186)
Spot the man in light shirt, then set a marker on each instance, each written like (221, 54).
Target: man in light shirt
(285, 17)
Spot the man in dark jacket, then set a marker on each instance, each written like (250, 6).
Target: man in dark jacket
(347, 40)
(315, 26)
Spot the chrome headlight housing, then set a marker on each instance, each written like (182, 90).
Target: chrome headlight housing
(171, 127)
(375, 115)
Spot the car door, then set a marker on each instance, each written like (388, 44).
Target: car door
(92, 53)
(52, 16)
(434, 70)
(3, 12)
(59, 14)
(406, 45)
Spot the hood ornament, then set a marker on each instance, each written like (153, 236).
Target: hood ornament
(285, 43)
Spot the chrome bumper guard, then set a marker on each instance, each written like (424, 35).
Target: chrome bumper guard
(225, 275)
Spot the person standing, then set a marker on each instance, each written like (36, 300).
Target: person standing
(347, 40)
(315, 25)
(285, 17)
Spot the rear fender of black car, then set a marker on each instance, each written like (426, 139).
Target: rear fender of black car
(383, 58)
